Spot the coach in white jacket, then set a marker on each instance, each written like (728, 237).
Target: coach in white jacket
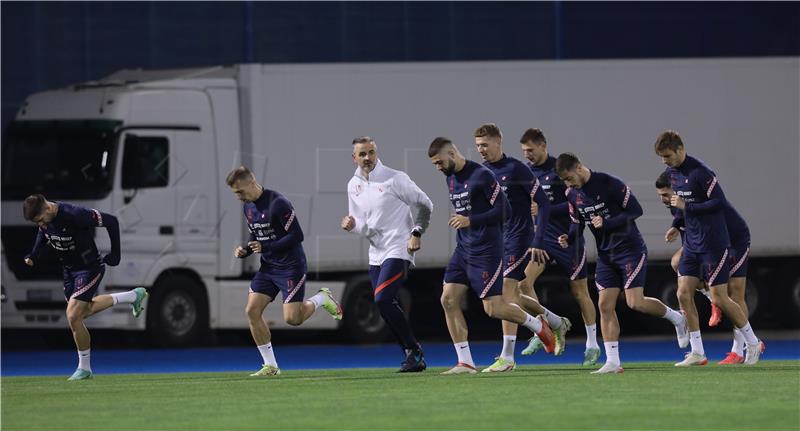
(380, 205)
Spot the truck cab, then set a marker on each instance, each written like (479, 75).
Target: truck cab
(153, 149)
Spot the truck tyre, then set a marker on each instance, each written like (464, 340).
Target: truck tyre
(177, 312)
(362, 322)
(751, 298)
(791, 309)
(668, 294)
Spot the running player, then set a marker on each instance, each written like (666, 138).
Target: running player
(380, 201)
(739, 235)
(664, 190)
(477, 262)
(275, 234)
(608, 206)
(520, 242)
(571, 260)
(706, 246)
(69, 230)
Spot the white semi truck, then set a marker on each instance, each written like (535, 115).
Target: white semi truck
(154, 147)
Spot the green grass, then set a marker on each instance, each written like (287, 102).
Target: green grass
(646, 396)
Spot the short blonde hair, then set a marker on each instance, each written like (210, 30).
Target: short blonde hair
(488, 129)
(241, 173)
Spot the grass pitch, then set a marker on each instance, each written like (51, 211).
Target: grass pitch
(646, 396)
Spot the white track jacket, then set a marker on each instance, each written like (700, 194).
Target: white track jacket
(381, 207)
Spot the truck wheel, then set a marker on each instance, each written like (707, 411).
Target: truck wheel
(669, 294)
(177, 312)
(791, 309)
(751, 298)
(362, 321)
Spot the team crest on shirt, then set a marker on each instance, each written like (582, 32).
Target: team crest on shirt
(290, 283)
(485, 275)
(358, 189)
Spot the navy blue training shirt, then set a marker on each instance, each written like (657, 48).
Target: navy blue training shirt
(520, 187)
(71, 235)
(555, 189)
(273, 222)
(608, 197)
(697, 184)
(475, 193)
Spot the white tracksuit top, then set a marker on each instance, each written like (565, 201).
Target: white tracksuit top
(381, 207)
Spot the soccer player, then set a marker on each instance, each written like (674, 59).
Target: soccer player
(739, 254)
(571, 260)
(477, 262)
(706, 246)
(607, 205)
(275, 234)
(520, 242)
(664, 189)
(69, 230)
(380, 201)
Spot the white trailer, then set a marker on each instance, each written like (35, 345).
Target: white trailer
(154, 147)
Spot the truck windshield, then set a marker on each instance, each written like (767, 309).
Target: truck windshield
(60, 159)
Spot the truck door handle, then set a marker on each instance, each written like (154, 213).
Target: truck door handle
(165, 230)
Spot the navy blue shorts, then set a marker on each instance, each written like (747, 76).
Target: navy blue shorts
(713, 267)
(626, 270)
(291, 283)
(82, 284)
(483, 274)
(739, 257)
(388, 278)
(517, 256)
(572, 260)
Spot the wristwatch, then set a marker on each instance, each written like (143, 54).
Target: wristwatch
(417, 232)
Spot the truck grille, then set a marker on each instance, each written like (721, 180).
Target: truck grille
(17, 243)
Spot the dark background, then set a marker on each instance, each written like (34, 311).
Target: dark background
(48, 45)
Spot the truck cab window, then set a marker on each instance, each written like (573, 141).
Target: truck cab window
(145, 162)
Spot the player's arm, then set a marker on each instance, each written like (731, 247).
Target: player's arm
(559, 210)
(678, 224)
(537, 194)
(86, 218)
(713, 191)
(678, 221)
(631, 209)
(33, 256)
(542, 218)
(417, 200)
(575, 227)
(499, 205)
(111, 224)
(353, 220)
(246, 249)
(286, 218)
